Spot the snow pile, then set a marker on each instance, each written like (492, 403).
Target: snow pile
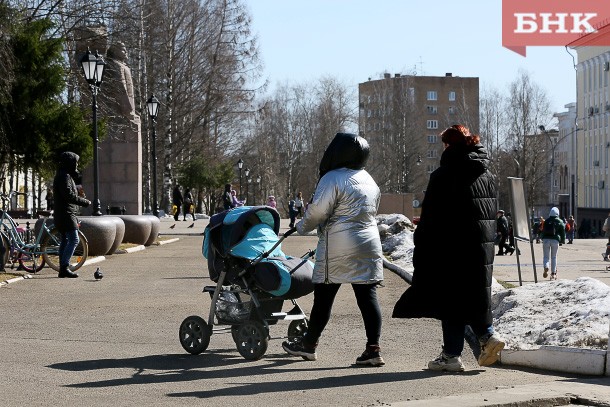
(559, 313)
(396, 233)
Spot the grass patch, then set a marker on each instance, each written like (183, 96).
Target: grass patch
(505, 284)
(124, 246)
(8, 275)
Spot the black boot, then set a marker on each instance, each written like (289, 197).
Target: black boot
(64, 272)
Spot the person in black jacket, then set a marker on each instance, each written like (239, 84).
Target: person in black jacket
(454, 285)
(503, 230)
(177, 200)
(67, 201)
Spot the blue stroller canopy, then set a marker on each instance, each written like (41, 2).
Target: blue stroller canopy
(246, 232)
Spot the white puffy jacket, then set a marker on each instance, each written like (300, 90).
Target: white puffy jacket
(343, 209)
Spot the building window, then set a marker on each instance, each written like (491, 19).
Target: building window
(432, 139)
(431, 154)
(452, 96)
(432, 124)
(430, 168)
(432, 95)
(431, 109)
(451, 109)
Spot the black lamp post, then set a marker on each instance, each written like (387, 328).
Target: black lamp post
(93, 68)
(240, 164)
(247, 173)
(152, 106)
(258, 181)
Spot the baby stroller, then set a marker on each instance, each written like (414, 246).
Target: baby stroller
(253, 279)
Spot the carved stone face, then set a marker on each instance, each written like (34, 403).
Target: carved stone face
(118, 51)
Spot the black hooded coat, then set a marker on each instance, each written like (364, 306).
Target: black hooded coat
(453, 263)
(66, 196)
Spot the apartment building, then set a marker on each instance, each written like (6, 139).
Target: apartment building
(402, 115)
(593, 138)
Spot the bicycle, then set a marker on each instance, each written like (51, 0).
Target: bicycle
(27, 250)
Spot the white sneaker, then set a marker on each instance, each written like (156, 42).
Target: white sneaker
(490, 350)
(446, 363)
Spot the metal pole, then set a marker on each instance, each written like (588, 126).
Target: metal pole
(96, 165)
(240, 194)
(154, 168)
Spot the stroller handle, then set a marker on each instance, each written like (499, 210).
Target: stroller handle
(290, 232)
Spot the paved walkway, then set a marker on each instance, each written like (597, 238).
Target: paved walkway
(115, 342)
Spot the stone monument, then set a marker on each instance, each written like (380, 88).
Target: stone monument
(120, 152)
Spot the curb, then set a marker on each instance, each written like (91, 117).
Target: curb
(135, 249)
(15, 279)
(559, 359)
(162, 242)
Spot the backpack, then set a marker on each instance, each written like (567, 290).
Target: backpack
(549, 228)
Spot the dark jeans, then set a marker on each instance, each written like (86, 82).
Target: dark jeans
(69, 241)
(453, 335)
(323, 298)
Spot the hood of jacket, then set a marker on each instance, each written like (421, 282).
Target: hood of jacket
(346, 150)
(68, 161)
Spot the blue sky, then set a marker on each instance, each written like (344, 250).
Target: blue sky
(303, 40)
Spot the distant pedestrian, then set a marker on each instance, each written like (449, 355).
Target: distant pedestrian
(292, 213)
(177, 201)
(67, 204)
(50, 200)
(502, 230)
(235, 202)
(189, 209)
(454, 284)
(606, 229)
(227, 200)
(570, 229)
(298, 204)
(271, 201)
(553, 236)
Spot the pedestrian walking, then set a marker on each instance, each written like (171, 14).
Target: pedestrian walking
(188, 204)
(66, 207)
(553, 236)
(177, 201)
(343, 209)
(292, 213)
(571, 229)
(227, 200)
(454, 285)
(503, 230)
(298, 204)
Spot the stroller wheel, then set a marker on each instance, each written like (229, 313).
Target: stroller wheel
(194, 335)
(252, 339)
(297, 328)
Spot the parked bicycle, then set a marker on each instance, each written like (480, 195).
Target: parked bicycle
(32, 250)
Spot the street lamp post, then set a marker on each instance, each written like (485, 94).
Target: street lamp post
(240, 164)
(247, 173)
(152, 106)
(93, 68)
(258, 181)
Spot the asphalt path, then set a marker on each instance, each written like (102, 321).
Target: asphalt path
(115, 342)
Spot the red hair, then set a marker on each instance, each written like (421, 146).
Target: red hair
(459, 134)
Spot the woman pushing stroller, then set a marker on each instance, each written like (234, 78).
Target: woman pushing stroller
(343, 209)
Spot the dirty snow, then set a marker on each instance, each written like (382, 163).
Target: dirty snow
(573, 313)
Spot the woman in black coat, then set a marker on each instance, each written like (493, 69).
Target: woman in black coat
(452, 273)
